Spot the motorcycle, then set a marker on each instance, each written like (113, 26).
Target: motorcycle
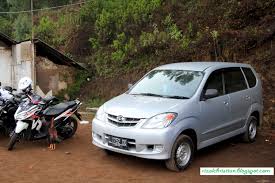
(8, 105)
(35, 114)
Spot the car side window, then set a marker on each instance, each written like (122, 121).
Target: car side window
(234, 80)
(250, 77)
(214, 81)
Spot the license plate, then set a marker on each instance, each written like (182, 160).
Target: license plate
(118, 142)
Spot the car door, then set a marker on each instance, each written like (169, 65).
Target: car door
(239, 96)
(215, 112)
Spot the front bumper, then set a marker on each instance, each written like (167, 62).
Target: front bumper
(145, 143)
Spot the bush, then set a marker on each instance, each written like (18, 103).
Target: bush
(45, 30)
(172, 29)
(153, 39)
(94, 102)
(5, 26)
(111, 17)
(73, 89)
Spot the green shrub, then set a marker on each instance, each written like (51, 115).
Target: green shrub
(73, 89)
(94, 102)
(153, 39)
(45, 30)
(173, 31)
(5, 26)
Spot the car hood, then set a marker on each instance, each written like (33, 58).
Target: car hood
(137, 106)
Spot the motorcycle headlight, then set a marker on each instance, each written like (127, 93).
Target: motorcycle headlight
(160, 121)
(100, 114)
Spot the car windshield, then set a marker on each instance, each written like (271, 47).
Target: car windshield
(179, 84)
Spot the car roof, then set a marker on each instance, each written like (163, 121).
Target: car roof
(199, 66)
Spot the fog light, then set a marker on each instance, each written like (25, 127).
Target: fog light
(150, 147)
(159, 148)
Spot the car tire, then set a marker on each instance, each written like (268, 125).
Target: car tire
(181, 155)
(251, 130)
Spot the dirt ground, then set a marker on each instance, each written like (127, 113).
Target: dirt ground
(77, 160)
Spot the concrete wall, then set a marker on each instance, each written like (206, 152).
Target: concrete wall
(5, 64)
(52, 78)
(16, 62)
(22, 62)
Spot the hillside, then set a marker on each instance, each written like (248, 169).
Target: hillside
(238, 31)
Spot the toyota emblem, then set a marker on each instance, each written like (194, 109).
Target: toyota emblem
(120, 118)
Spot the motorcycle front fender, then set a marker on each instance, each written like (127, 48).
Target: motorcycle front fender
(20, 126)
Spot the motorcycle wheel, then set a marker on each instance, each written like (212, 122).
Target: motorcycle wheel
(67, 131)
(12, 141)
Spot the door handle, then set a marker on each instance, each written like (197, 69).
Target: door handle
(225, 103)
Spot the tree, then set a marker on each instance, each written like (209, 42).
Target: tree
(22, 21)
(5, 23)
(22, 28)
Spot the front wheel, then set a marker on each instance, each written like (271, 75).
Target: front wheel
(251, 130)
(13, 141)
(68, 129)
(181, 155)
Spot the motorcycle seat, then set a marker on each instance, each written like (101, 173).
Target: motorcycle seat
(49, 99)
(59, 108)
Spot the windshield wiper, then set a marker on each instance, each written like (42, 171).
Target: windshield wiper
(177, 97)
(163, 96)
(148, 94)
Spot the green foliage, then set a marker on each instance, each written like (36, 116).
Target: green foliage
(56, 32)
(94, 102)
(45, 29)
(186, 41)
(153, 39)
(22, 28)
(172, 29)
(5, 26)
(110, 17)
(94, 43)
(102, 63)
(122, 47)
(214, 34)
(73, 89)
(80, 79)
(21, 22)
(115, 38)
(15, 5)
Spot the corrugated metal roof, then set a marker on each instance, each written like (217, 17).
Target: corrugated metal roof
(6, 39)
(45, 50)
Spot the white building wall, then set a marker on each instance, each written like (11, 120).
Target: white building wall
(22, 62)
(5, 66)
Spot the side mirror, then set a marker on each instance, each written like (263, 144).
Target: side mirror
(130, 85)
(210, 93)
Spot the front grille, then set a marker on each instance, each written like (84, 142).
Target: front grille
(126, 122)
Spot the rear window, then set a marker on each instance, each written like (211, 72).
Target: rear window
(234, 80)
(251, 79)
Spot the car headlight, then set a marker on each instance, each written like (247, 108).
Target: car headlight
(160, 120)
(100, 114)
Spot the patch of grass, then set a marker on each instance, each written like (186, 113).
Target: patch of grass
(94, 102)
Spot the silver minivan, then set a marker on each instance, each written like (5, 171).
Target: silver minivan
(179, 108)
